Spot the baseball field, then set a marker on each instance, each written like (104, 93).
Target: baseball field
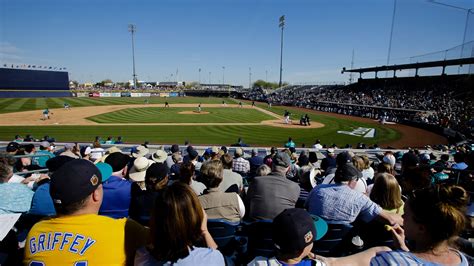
(147, 119)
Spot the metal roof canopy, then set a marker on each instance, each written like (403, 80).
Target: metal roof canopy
(441, 63)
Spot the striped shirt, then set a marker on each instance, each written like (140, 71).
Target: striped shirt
(403, 258)
(339, 203)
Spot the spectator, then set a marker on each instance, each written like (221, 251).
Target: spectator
(434, 216)
(230, 178)
(116, 189)
(155, 180)
(15, 197)
(174, 170)
(42, 204)
(173, 150)
(96, 152)
(187, 176)
(263, 170)
(70, 150)
(13, 147)
(255, 161)
(268, 159)
(179, 225)
(78, 233)
(459, 162)
(46, 151)
(350, 203)
(329, 162)
(240, 165)
(269, 195)
(317, 145)
(386, 193)
(290, 143)
(216, 203)
(294, 232)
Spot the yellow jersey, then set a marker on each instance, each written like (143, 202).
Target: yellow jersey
(77, 240)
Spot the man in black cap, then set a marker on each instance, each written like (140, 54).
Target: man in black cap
(117, 189)
(13, 147)
(293, 234)
(269, 195)
(78, 236)
(340, 203)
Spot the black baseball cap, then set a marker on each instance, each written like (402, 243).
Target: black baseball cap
(293, 230)
(343, 158)
(347, 172)
(13, 146)
(55, 163)
(117, 160)
(74, 181)
(157, 171)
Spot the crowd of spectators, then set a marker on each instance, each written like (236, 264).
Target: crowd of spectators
(147, 207)
(445, 104)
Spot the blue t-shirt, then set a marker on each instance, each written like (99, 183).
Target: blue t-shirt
(15, 198)
(42, 204)
(41, 160)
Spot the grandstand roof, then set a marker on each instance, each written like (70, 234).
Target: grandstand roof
(440, 63)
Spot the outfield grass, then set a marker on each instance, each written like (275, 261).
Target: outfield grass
(8, 105)
(257, 135)
(171, 115)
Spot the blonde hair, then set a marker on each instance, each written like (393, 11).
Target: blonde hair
(386, 192)
(358, 163)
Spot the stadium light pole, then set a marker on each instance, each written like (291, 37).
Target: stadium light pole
(250, 77)
(468, 12)
(132, 29)
(391, 35)
(282, 26)
(223, 71)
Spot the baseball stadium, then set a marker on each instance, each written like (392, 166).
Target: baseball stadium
(271, 166)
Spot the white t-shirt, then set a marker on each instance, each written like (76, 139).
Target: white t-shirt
(197, 256)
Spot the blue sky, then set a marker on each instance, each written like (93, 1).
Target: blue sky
(91, 40)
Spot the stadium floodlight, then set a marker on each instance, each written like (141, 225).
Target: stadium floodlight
(199, 70)
(391, 35)
(223, 71)
(250, 77)
(468, 12)
(132, 29)
(282, 26)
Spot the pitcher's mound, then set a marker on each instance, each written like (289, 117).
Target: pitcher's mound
(193, 113)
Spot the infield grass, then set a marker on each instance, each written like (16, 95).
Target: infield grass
(172, 115)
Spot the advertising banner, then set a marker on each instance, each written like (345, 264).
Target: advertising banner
(105, 94)
(164, 94)
(135, 94)
(146, 94)
(95, 94)
(174, 94)
(82, 94)
(115, 94)
(125, 94)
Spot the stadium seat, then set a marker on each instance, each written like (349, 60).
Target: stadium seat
(333, 243)
(260, 242)
(222, 231)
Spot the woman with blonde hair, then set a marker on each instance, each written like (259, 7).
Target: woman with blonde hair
(177, 226)
(386, 193)
(359, 164)
(434, 218)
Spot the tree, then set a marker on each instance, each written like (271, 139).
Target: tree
(266, 85)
